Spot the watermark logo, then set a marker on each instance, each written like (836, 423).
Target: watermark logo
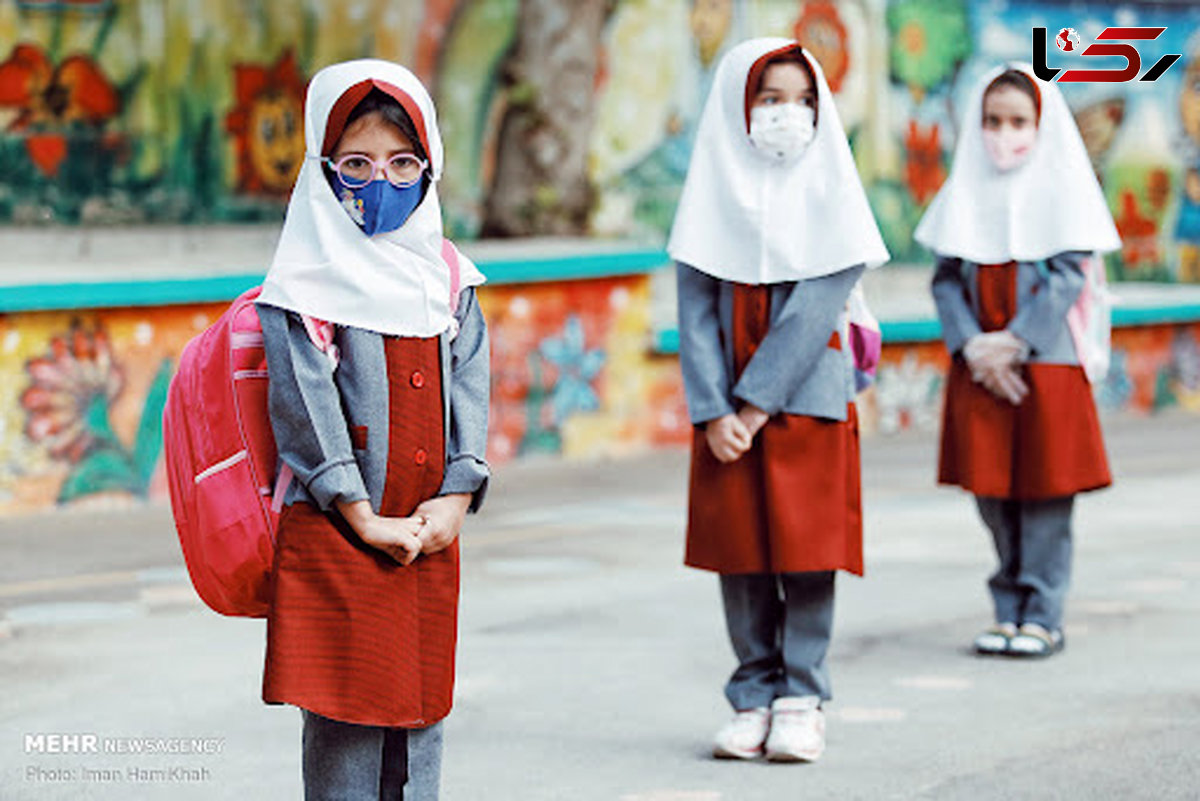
(1067, 40)
(1111, 42)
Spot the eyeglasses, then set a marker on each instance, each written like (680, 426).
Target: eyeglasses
(356, 171)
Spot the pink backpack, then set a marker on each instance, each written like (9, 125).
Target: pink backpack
(1090, 320)
(220, 455)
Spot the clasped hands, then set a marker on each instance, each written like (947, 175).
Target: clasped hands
(995, 360)
(732, 435)
(432, 527)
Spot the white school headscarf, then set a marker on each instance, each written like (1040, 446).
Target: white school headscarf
(1050, 204)
(746, 218)
(325, 266)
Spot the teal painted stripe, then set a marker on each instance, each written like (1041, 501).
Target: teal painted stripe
(103, 294)
(910, 330)
(573, 268)
(1156, 315)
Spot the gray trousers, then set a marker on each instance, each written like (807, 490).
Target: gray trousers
(349, 762)
(779, 626)
(1033, 546)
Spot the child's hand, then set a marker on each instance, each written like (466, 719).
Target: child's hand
(728, 438)
(395, 536)
(1006, 383)
(443, 518)
(753, 418)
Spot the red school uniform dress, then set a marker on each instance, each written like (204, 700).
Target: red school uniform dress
(793, 502)
(352, 635)
(1049, 446)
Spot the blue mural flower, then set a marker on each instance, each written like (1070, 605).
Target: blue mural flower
(577, 367)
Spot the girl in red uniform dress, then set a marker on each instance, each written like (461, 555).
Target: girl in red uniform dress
(1011, 229)
(385, 439)
(772, 233)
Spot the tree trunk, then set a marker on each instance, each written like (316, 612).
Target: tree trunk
(541, 184)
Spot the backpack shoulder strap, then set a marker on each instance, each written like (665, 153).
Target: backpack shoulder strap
(450, 256)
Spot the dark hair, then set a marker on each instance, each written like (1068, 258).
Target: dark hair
(758, 71)
(390, 109)
(1017, 79)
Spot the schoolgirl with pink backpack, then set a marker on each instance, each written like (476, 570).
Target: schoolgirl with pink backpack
(327, 437)
(1019, 285)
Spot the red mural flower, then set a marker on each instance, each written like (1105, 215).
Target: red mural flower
(267, 124)
(821, 30)
(1139, 234)
(72, 387)
(49, 98)
(923, 169)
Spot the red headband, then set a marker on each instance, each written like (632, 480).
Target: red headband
(345, 104)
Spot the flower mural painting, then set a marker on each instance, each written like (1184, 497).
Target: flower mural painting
(577, 367)
(924, 172)
(710, 21)
(73, 387)
(930, 41)
(909, 395)
(1139, 234)
(267, 125)
(53, 100)
(821, 30)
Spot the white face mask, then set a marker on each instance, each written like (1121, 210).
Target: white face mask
(784, 131)
(1009, 148)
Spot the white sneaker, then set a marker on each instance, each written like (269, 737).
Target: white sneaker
(743, 737)
(797, 730)
(1036, 642)
(996, 639)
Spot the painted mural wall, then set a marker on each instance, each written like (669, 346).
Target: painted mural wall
(82, 393)
(181, 110)
(573, 375)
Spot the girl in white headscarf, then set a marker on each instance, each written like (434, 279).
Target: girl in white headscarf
(1013, 229)
(378, 393)
(772, 233)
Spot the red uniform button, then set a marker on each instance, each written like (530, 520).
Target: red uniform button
(420, 456)
(418, 379)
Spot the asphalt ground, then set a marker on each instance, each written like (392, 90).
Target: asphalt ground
(591, 662)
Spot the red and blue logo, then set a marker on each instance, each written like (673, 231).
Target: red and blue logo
(1111, 42)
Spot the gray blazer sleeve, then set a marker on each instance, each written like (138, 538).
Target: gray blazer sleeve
(958, 319)
(306, 411)
(701, 356)
(1040, 319)
(798, 336)
(467, 469)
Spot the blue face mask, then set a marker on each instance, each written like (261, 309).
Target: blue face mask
(380, 207)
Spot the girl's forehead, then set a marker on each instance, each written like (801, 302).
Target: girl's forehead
(786, 75)
(1009, 100)
(373, 130)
